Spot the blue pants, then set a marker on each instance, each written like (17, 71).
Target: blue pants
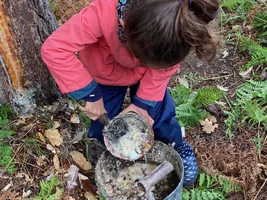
(166, 128)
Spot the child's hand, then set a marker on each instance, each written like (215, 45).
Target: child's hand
(140, 111)
(94, 110)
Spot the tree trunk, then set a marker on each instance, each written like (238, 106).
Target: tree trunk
(24, 79)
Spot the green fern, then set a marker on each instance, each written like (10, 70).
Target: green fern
(250, 105)
(211, 187)
(6, 158)
(47, 188)
(190, 106)
(239, 7)
(180, 95)
(260, 24)
(6, 153)
(206, 96)
(257, 53)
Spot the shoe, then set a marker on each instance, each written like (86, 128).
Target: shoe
(190, 164)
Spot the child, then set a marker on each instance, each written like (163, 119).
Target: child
(137, 44)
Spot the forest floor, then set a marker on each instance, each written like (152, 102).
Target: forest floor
(38, 151)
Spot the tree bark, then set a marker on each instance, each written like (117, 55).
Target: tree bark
(24, 78)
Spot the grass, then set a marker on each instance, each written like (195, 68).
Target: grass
(6, 152)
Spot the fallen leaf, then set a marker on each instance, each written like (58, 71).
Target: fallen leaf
(50, 171)
(225, 54)
(56, 162)
(72, 177)
(26, 194)
(40, 160)
(29, 126)
(184, 82)
(7, 187)
(42, 138)
(54, 137)
(27, 177)
(225, 89)
(264, 76)
(208, 126)
(82, 177)
(75, 119)
(50, 148)
(246, 74)
(212, 118)
(56, 125)
(89, 196)
(78, 137)
(80, 160)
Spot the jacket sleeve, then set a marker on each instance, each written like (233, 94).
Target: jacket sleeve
(154, 83)
(59, 51)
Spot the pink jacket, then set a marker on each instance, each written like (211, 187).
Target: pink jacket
(94, 34)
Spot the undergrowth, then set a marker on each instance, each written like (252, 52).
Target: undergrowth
(191, 105)
(48, 190)
(6, 153)
(249, 108)
(210, 188)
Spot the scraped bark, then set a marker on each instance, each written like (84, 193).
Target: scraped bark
(24, 79)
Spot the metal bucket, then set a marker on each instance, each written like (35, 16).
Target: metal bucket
(109, 166)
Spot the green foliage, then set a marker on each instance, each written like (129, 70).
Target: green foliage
(257, 52)
(211, 187)
(260, 24)
(47, 190)
(206, 96)
(6, 161)
(190, 106)
(241, 8)
(6, 158)
(250, 107)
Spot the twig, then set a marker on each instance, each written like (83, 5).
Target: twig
(260, 190)
(218, 77)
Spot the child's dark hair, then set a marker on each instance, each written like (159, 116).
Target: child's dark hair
(160, 33)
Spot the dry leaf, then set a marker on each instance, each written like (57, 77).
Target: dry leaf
(75, 119)
(56, 125)
(208, 126)
(184, 82)
(54, 137)
(72, 177)
(80, 160)
(29, 126)
(212, 118)
(78, 137)
(40, 160)
(42, 138)
(225, 54)
(7, 187)
(89, 196)
(56, 162)
(246, 74)
(225, 89)
(26, 194)
(50, 148)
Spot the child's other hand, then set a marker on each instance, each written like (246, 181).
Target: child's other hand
(94, 110)
(140, 111)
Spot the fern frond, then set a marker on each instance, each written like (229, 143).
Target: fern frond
(257, 53)
(180, 94)
(47, 189)
(206, 96)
